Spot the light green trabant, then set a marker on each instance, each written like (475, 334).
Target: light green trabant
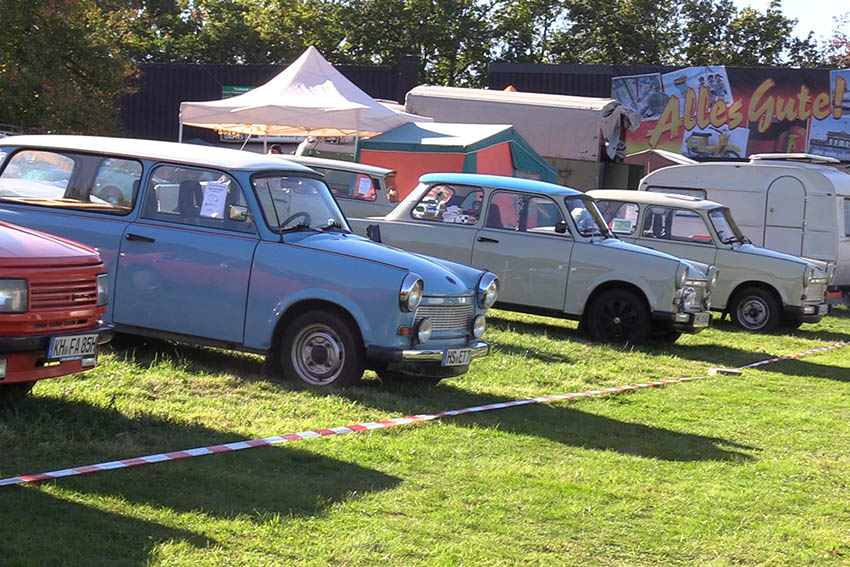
(760, 288)
(553, 253)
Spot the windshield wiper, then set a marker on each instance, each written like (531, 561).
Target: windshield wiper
(300, 227)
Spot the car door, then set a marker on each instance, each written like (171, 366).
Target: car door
(519, 242)
(184, 265)
(443, 223)
(680, 232)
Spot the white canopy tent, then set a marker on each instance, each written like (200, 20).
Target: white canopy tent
(310, 97)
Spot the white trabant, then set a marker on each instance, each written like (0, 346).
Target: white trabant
(760, 288)
(553, 253)
(361, 190)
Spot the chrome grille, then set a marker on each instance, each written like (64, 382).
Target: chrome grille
(447, 317)
(53, 294)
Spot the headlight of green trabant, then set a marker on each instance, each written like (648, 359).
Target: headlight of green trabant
(13, 295)
(807, 275)
(488, 290)
(682, 273)
(410, 294)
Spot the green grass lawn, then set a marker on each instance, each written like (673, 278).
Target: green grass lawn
(726, 470)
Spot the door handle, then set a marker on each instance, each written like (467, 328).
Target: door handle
(487, 239)
(131, 236)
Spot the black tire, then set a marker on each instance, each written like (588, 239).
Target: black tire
(14, 392)
(320, 349)
(755, 309)
(618, 316)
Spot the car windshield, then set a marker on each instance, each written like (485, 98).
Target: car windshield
(291, 203)
(588, 219)
(724, 225)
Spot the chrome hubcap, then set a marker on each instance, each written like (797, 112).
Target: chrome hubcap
(752, 313)
(318, 355)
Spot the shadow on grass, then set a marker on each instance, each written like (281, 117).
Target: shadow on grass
(808, 369)
(525, 352)
(257, 484)
(544, 329)
(557, 422)
(144, 352)
(43, 530)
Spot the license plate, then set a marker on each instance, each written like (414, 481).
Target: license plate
(823, 309)
(456, 357)
(702, 319)
(72, 347)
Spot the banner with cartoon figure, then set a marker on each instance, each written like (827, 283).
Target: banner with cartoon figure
(734, 112)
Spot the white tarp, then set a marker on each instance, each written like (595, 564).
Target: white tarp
(557, 126)
(308, 97)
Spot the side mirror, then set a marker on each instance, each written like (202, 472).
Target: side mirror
(373, 232)
(561, 227)
(239, 213)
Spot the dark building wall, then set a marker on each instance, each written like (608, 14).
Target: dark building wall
(152, 112)
(575, 80)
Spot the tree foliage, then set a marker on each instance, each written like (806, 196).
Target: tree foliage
(59, 66)
(64, 64)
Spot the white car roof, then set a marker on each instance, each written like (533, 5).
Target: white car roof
(219, 158)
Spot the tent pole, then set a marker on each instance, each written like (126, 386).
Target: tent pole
(266, 142)
(356, 136)
(180, 134)
(245, 143)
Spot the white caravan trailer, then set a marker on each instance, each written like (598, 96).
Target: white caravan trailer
(793, 203)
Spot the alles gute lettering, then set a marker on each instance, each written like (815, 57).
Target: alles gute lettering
(761, 109)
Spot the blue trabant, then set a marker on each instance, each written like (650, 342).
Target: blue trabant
(248, 252)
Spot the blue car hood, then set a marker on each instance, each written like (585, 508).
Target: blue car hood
(439, 280)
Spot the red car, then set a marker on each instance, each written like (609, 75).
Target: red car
(53, 295)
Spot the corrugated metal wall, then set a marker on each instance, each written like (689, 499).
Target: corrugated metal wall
(152, 111)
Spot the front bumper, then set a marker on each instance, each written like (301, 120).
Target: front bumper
(23, 359)
(684, 321)
(809, 312)
(423, 362)
(32, 343)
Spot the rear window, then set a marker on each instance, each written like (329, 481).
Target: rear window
(457, 204)
(71, 181)
(350, 184)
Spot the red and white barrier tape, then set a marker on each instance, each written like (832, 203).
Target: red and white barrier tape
(798, 355)
(358, 427)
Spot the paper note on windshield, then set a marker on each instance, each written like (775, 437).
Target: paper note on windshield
(364, 186)
(215, 195)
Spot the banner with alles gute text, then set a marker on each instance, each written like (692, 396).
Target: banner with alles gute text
(734, 112)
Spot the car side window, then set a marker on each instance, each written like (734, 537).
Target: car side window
(197, 197)
(350, 184)
(71, 181)
(676, 225)
(523, 213)
(620, 217)
(456, 204)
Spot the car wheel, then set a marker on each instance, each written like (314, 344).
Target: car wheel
(618, 317)
(10, 393)
(755, 309)
(321, 350)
